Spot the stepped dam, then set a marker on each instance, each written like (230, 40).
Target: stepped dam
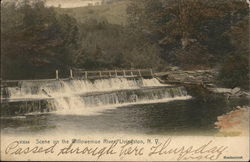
(85, 97)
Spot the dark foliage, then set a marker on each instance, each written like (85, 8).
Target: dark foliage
(35, 40)
(193, 34)
(196, 34)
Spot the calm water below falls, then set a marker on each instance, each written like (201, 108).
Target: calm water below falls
(179, 117)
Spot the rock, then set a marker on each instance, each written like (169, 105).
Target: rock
(211, 85)
(235, 90)
(221, 90)
(190, 76)
(244, 94)
(190, 72)
(235, 122)
(174, 68)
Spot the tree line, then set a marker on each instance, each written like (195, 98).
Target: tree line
(192, 34)
(37, 40)
(198, 34)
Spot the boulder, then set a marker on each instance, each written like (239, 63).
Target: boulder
(221, 90)
(235, 90)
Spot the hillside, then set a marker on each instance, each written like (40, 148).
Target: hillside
(114, 13)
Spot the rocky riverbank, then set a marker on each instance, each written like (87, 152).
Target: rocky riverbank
(202, 84)
(234, 123)
(192, 77)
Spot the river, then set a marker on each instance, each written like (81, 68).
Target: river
(143, 107)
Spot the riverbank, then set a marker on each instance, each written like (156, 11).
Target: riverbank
(234, 123)
(201, 84)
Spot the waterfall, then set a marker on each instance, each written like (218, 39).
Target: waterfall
(84, 97)
(95, 103)
(43, 89)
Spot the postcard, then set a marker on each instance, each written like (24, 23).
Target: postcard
(125, 80)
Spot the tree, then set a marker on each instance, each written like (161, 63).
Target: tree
(235, 70)
(36, 40)
(180, 25)
(111, 46)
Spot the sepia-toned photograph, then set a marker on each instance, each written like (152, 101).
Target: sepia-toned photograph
(125, 80)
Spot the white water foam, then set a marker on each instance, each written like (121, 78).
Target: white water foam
(80, 96)
(93, 105)
(79, 108)
(33, 90)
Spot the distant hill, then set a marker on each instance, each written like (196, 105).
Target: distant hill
(114, 13)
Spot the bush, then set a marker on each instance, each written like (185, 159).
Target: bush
(235, 72)
(194, 56)
(235, 69)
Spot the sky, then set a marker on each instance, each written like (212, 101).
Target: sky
(68, 3)
(71, 3)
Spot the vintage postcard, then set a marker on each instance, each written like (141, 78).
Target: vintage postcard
(125, 80)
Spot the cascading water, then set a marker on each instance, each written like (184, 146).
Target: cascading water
(92, 104)
(84, 97)
(42, 89)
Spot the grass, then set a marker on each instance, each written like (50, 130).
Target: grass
(114, 13)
